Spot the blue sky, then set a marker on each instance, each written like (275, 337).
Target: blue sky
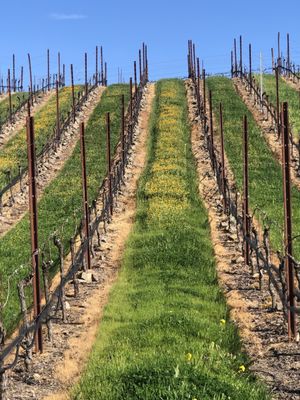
(74, 27)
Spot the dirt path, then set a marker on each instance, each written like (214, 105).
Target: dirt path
(267, 128)
(10, 129)
(59, 367)
(13, 212)
(263, 332)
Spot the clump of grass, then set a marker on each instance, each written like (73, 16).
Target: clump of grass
(166, 333)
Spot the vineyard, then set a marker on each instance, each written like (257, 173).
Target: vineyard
(149, 237)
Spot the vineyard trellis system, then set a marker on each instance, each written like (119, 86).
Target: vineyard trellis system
(262, 99)
(88, 231)
(62, 124)
(53, 141)
(46, 84)
(284, 276)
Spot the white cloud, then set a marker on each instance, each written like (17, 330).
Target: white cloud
(65, 17)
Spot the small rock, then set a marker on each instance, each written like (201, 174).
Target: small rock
(36, 377)
(86, 277)
(232, 238)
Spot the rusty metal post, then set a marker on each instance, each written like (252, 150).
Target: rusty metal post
(246, 193)
(235, 58)
(101, 66)
(198, 84)
(131, 100)
(278, 49)
(48, 68)
(140, 65)
(57, 112)
(289, 268)
(14, 73)
(191, 58)
(222, 157)
(22, 79)
(96, 72)
(85, 75)
(241, 56)
(204, 91)
(250, 67)
(277, 100)
(73, 93)
(143, 59)
(105, 73)
(30, 78)
(34, 228)
(64, 74)
(9, 95)
(288, 54)
(123, 132)
(188, 60)
(146, 62)
(194, 60)
(108, 157)
(211, 125)
(28, 108)
(58, 68)
(131, 111)
(85, 195)
(272, 56)
(135, 78)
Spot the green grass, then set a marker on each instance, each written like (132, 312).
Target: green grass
(14, 153)
(265, 175)
(161, 336)
(60, 206)
(286, 93)
(16, 99)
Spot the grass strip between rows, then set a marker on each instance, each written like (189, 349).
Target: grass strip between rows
(165, 332)
(286, 93)
(60, 206)
(14, 153)
(265, 174)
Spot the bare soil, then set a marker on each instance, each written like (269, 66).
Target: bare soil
(48, 169)
(55, 371)
(263, 330)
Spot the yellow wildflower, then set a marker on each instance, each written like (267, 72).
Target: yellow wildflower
(242, 368)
